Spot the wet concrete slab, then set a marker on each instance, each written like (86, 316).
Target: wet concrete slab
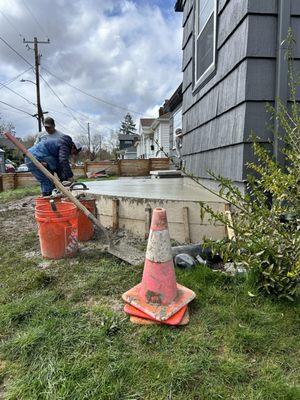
(146, 188)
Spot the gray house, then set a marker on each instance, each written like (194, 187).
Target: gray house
(233, 64)
(127, 149)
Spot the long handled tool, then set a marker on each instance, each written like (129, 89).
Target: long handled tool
(59, 186)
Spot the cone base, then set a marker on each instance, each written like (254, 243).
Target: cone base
(174, 320)
(157, 311)
(143, 321)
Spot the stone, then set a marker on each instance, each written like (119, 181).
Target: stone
(232, 269)
(184, 261)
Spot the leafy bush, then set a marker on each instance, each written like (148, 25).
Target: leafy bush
(266, 219)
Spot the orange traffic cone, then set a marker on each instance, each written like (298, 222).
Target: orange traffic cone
(158, 295)
(145, 321)
(176, 319)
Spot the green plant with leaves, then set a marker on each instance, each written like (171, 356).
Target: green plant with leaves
(266, 219)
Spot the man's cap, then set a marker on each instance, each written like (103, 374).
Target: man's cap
(78, 145)
(49, 122)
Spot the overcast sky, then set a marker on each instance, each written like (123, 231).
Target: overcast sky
(125, 52)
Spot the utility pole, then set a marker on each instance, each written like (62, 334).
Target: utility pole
(37, 56)
(89, 136)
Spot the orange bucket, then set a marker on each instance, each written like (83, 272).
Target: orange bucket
(85, 226)
(41, 201)
(58, 230)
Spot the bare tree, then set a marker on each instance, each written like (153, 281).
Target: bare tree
(112, 143)
(29, 140)
(96, 144)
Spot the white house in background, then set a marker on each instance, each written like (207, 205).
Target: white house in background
(144, 146)
(161, 137)
(154, 135)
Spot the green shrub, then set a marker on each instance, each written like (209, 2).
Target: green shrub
(266, 219)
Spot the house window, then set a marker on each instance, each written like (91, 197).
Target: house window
(205, 39)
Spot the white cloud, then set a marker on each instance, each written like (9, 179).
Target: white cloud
(124, 52)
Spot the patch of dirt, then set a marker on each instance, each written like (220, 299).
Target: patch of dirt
(44, 265)
(17, 220)
(32, 254)
(22, 204)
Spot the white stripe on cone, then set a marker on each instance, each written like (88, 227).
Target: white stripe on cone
(159, 246)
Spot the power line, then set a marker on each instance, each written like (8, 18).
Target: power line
(85, 117)
(15, 51)
(4, 84)
(64, 113)
(18, 94)
(16, 108)
(52, 90)
(72, 86)
(91, 95)
(60, 100)
(6, 109)
(63, 126)
(11, 24)
(34, 17)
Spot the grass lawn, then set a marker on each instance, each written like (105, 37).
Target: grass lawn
(64, 335)
(16, 194)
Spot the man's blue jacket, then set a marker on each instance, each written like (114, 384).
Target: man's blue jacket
(56, 154)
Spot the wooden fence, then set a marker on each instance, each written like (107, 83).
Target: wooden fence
(128, 167)
(121, 168)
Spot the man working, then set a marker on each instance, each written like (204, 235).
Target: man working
(54, 155)
(50, 132)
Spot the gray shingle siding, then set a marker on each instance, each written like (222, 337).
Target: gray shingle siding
(218, 117)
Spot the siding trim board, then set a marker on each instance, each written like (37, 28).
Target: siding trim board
(225, 112)
(222, 6)
(187, 15)
(225, 146)
(224, 78)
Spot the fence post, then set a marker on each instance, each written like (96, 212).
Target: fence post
(15, 181)
(1, 183)
(149, 165)
(119, 163)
